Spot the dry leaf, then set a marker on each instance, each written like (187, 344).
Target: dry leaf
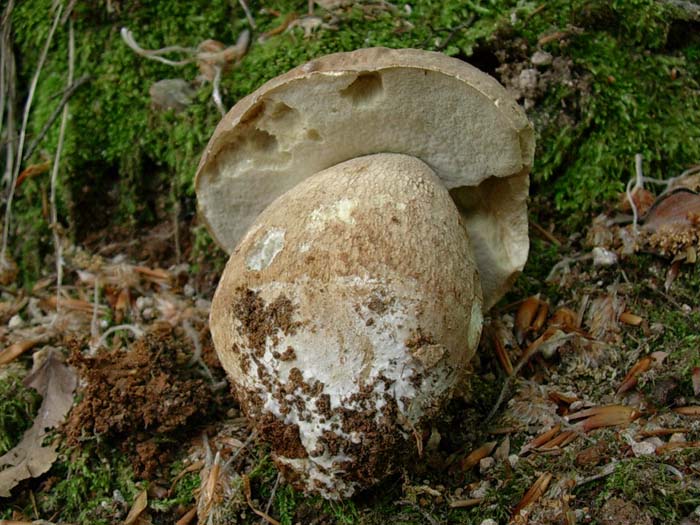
(140, 504)
(630, 318)
(534, 493)
(696, 380)
(607, 416)
(692, 410)
(15, 350)
(477, 455)
(55, 381)
(527, 314)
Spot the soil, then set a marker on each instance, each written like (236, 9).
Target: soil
(142, 399)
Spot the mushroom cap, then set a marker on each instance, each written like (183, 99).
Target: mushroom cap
(458, 120)
(346, 318)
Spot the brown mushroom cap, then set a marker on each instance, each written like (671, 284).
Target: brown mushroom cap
(458, 120)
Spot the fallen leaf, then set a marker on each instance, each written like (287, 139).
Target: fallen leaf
(32, 171)
(637, 369)
(534, 493)
(477, 455)
(526, 315)
(692, 410)
(676, 445)
(696, 380)
(140, 504)
(15, 350)
(541, 439)
(673, 210)
(630, 318)
(56, 382)
(607, 416)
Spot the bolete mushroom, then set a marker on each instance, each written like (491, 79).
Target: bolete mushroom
(374, 204)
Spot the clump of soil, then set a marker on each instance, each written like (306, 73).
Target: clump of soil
(144, 399)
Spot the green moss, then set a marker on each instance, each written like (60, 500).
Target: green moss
(639, 96)
(652, 486)
(85, 487)
(18, 407)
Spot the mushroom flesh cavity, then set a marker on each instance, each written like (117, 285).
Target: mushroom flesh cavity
(373, 203)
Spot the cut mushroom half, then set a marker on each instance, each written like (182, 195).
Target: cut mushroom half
(458, 120)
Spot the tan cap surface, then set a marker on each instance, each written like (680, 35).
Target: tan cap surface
(458, 120)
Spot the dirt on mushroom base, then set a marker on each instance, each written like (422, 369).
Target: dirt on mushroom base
(143, 398)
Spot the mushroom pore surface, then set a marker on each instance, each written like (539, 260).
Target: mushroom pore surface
(346, 317)
(455, 118)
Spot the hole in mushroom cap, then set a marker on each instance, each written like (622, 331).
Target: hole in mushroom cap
(261, 140)
(364, 89)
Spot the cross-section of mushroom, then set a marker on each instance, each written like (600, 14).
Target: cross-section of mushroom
(373, 203)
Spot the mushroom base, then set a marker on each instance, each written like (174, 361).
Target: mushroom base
(346, 318)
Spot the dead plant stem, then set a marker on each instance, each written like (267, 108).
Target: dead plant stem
(54, 172)
(23, 134)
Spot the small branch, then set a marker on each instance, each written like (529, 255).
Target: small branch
(216, 94)
(154, 54)
(67, 94)
(248, 16)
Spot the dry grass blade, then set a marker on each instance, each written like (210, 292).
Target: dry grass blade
(662, 432)
(77, 305)
(607, 416)
(690, 410)
(638, 369)
(246, 490)
(541, 439)
(465, 503)
(15, 350)
(672, 447)
(477, 455)
(501, 353)
(534, 493)
(156, 275)
(559, 441)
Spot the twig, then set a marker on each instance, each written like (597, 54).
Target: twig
(94, 324)
(272, 497)
(248, 497)
(5, 50)
(23, 133)
(67, 94)
(216, 94)
(248, 16)
(154, 54)
(638, 185)
(544, 233)
(54, 171)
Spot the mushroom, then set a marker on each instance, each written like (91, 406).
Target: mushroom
(374, 205)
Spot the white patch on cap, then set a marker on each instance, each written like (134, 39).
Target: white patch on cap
(339, 211)
(265, 250)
